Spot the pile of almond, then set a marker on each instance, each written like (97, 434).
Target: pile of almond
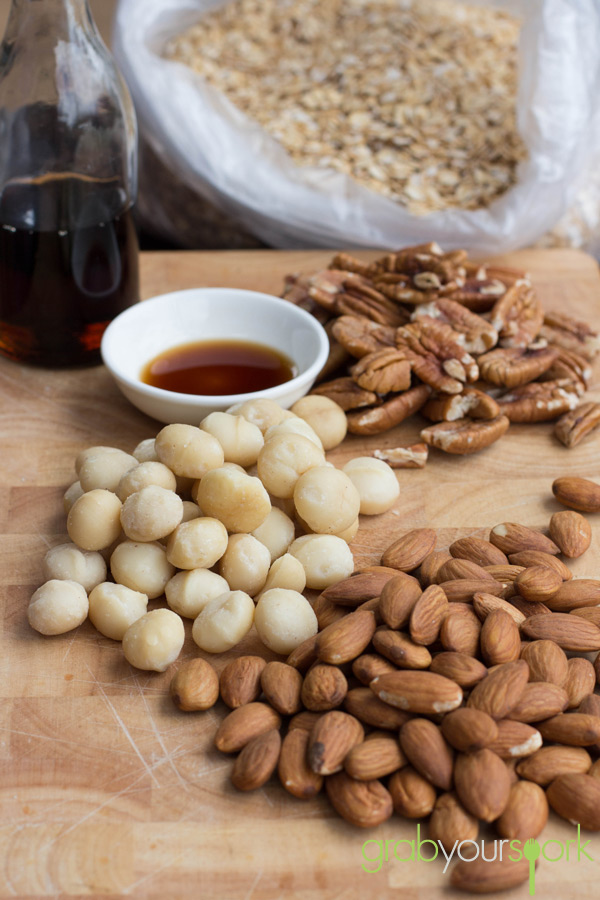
(450, 684)
(468, 346)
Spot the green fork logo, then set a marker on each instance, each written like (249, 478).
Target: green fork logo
(531, 852)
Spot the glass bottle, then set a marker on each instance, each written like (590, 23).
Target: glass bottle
(68, 181)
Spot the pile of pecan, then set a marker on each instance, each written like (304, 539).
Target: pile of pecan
(468, 346)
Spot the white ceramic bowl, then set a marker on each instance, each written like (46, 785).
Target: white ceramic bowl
(149, 328)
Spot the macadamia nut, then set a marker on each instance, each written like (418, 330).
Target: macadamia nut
(277, 533)
(151, 514)
(191, 511)
(67, 562)
(245, 564)
(72, 493)
(94, 520)
(114, 607)
(58, 606)
(294, 425)
(188, 450)
(146, 451)
(376, 483)
(240, 439)
(154, 641)
(103, 467)
(261, 412)
(142, 476)
(348, 534)
(284, 619)
(224, 622)
(141, 567)
(325, 417)
(238, 500)
(283, 459)
(286, 572)
(326, 559)
(197, 544)
(326, 500)
(189, 592)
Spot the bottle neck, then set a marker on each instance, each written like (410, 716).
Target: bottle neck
(49, 19)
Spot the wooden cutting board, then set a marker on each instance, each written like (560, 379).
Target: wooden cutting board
(106, 789)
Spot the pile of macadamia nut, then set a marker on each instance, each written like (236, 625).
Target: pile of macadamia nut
(207, 516)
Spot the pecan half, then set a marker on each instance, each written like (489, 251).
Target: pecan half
(390, 413)
(571, 334)
(511, 366)
(361, 336)
(465, 435)
(341, 292)
(346, 393)
(338, 355)
(451, 407)
(540, 401)
(412, 457)
(477, 333)
(383, 371)
(518, 315)
(569, 365)
(296, 291)
(436, 354)
(349, 263)
(574, 426)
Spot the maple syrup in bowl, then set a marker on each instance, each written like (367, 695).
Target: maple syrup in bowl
(180, 356)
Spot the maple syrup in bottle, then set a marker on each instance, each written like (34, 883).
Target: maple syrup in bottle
(68, 182)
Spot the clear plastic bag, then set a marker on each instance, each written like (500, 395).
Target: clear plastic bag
(236, 177)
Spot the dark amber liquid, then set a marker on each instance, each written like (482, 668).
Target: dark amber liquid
(217, 368)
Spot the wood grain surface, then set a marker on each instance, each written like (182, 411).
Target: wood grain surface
(106, 790)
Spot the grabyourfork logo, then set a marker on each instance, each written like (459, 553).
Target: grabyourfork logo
(376, 852)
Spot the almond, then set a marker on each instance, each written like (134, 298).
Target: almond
(528, 608)
(484, 603)
(500, 690)
(511, 538)
(590, 705)
(528, 558)
(578, 493)
(581, 680)
(359, 587)
(240, 680)
(418, 692)
(450, 823)
(326, 611)
(465, 670)
(365, 706)
(331, 739)
(575, 594)
(427, 615)
(431, 566)
(425, 748)
(369, 666)
(324, 687)
(462, 590)
(195, 685)
(397, 600)
(412, 795)
(549, 762)
(525, 814)
(546, 661)
(281, 686)
(460, 630)
(346, 639)
(374, 758)
(515, 739)
(478, 876)
(295, 774)
(482, 784)
(305, 654)
(362, 803)
(257, 761)
(462, 568)
(539, 700)
(572, 729)
(577, 799)
(595, 769)
(409, 551)
(506, 573)
(304, 721)
(571, 532)
(243, 724)
(500, 638)
(569, 632)
(468, 730)
(401, 650)
(591, 613)
(538, 584)
(478, 551)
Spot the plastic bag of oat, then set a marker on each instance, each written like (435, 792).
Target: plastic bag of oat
(362, 123)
